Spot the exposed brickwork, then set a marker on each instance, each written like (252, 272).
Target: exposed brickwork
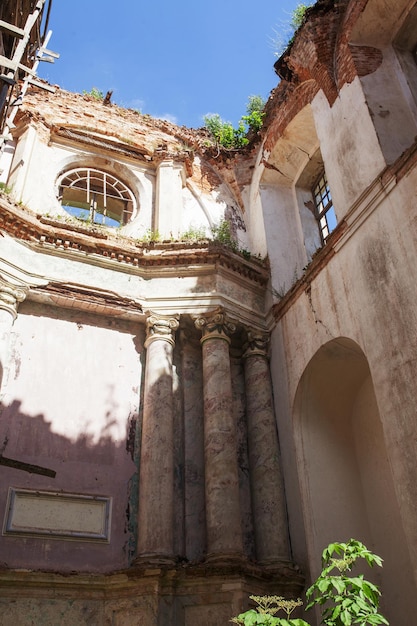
(311, 56)
(346, 70)
(84, 113)
(284, 104)
(366, 59)
(320, 57)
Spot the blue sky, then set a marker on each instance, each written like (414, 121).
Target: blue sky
(177, 60)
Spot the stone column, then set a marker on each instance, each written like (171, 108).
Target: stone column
(268, 498)
(223, 519)
(156, 475)
(10, 298)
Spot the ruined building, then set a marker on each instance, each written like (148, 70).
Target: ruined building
(207, 356)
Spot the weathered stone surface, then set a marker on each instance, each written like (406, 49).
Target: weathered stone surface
(182, 439)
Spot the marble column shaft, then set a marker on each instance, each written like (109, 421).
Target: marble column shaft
(223, 519)
(156, 477)
(268, 497)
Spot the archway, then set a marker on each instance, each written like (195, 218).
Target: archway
(344, 471)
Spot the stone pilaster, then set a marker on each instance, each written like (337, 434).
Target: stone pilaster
(10, 298)
(268, 498)
(223, 518)
(156, 475)
(169, 201)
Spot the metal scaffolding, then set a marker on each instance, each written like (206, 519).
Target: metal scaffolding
(22, 48)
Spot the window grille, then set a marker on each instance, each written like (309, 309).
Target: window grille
(96, 196)
(325, 213)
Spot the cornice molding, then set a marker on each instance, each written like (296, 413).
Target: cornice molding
(73, 241)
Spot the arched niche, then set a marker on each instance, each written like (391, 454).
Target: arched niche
(346, 482)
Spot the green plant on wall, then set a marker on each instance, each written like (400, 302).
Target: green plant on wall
(265, 612)
(94, 93)
(224, 133)
(232, 138)
(194, 234)
(284, 35)
(344, 600)
(151, 236)
(5, 188)
(222, 233)
(298, 14)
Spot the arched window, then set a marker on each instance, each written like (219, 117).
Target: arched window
(96, 196)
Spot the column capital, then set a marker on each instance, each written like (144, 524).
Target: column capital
(214, 325)
(161, 327)
(11, 296)
(257, 344)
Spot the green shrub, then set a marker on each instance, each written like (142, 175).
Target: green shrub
(222, 233)
(194, 234)
(298, 14)
(344, 600)
(94, 93)
(5, 188)
(151, 236)
(229, 137)
(224, 133)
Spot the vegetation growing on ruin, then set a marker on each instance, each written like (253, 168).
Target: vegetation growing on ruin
(94, 93)
(194, 234)
(5, 189)
(284, 35)
(297, 16)
(344, 600)
(229, 137)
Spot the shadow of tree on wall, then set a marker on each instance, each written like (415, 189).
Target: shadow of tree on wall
(85, 466)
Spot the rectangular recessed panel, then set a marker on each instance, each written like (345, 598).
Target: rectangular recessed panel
(57, 515)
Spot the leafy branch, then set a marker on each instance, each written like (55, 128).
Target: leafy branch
(346, 600)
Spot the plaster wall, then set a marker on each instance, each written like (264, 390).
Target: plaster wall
(6, 158)
(391, 113)
(164, 204)
(178, 190)
(284, 236)
(349, 145)
(366, 295)
(69, 404)
(37, 165)
(255, 221)
(311, 236)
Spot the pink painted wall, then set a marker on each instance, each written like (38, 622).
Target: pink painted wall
(71, 401)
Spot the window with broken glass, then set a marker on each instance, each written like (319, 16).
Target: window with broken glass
(325, 213)
(96, 196)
